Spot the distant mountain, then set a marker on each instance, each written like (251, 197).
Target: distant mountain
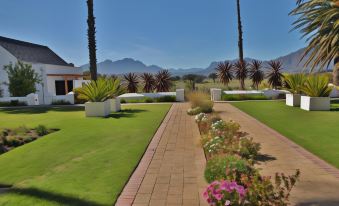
(290, 64)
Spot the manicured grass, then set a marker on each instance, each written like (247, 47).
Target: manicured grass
(87, 162)
(317, 131)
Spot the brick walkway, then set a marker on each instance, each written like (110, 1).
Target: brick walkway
(319, 183)
(171, 171)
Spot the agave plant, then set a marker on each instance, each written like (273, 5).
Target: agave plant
(318, 21)
(317, 86)
(255, 73)
(148, 81)
(241, 72)
(163, 81)
(132, 82)
(274, 74)
(100, 90)
(295, 82)
(224, 72)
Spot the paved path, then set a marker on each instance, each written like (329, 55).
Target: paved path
(319, 183)
(171, 171)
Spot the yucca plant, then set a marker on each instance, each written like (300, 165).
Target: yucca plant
(241, 72)
(295, 82)
(256, 74)
(148, 82)
(132, 82)
(100, 90)
(317, 86)
(274, 74)
(224, 72)
(163, 81)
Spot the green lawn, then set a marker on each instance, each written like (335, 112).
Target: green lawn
(87, 162)
(317, 131)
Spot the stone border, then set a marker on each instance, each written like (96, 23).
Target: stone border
(330, 169)
(131, 188)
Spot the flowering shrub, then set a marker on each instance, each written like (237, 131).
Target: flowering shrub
(226, 167)
(194, 111)
(220, 193)
(225, 129)
(202, 117)
(215, 146)
(248, 148)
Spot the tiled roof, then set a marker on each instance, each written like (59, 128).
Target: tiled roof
(29, 52)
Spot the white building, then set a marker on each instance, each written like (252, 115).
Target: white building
(58, 77)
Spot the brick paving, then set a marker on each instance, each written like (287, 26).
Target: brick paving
(319, 183)
(171, 171)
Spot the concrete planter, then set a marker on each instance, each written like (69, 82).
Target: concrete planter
(315, 103)
(97, 109)
(293, 100)
(114, 104)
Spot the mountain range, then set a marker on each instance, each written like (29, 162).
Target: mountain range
(290, 64)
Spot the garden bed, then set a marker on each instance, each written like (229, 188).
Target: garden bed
(12, 138)
(149, 100)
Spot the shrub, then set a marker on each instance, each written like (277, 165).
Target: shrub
(166, 98)
(194, 111)
(200, 99)
(148, 100)
(226, 168)
(317, 86)
(248, 148)
(41, 130)
(225, 129)
(123, 101)
(241, 97)
(60, 102)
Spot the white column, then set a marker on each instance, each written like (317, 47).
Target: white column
(215, 94)
(180, 95)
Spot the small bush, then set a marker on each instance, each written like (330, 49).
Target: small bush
(241, 97)
(148, 100)
(201, 100)
(166, 99)
(194, 111)
(61, 102)
(248, 148)
(226, 168)
(123, 101)
(12, 103)
(41, 130)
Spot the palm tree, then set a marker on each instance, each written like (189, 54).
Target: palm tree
(241, 72)
(274, 75)
(148, 81)
(224, 72)
(91, 40)
(255, 73)
(132, 82)
(240, 39)
(163, 81)
(318, 21)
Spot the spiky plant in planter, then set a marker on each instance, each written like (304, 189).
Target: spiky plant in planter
(294, 83)
(256, 74)
(163, 81)
(225, 72)
(241, 72)
(274, 74)
(132, 82)
(148, 81)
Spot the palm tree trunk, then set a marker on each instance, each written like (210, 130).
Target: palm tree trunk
(336, 71)
(91, 40)
(240, 40)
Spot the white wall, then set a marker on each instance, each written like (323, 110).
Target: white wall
(5, 59)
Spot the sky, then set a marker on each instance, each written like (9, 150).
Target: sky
(168, 33)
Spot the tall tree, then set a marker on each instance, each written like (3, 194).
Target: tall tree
(274, 75)
(91, 40)
(132, 82)
(148, 81)
(240, 39)
(318, 20)
(255, 73)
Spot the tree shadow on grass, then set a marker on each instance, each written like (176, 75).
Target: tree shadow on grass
(41, 110)
(50, 196)
(126, 113)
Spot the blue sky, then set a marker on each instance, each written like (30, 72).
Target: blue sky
(169, 33)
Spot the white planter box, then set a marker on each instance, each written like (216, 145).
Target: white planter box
(215, 94)
(315, 103)
(114, 104)
(293, 100)
(97, 109)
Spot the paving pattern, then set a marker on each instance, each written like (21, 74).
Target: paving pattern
(319, 183)
(171, 171)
